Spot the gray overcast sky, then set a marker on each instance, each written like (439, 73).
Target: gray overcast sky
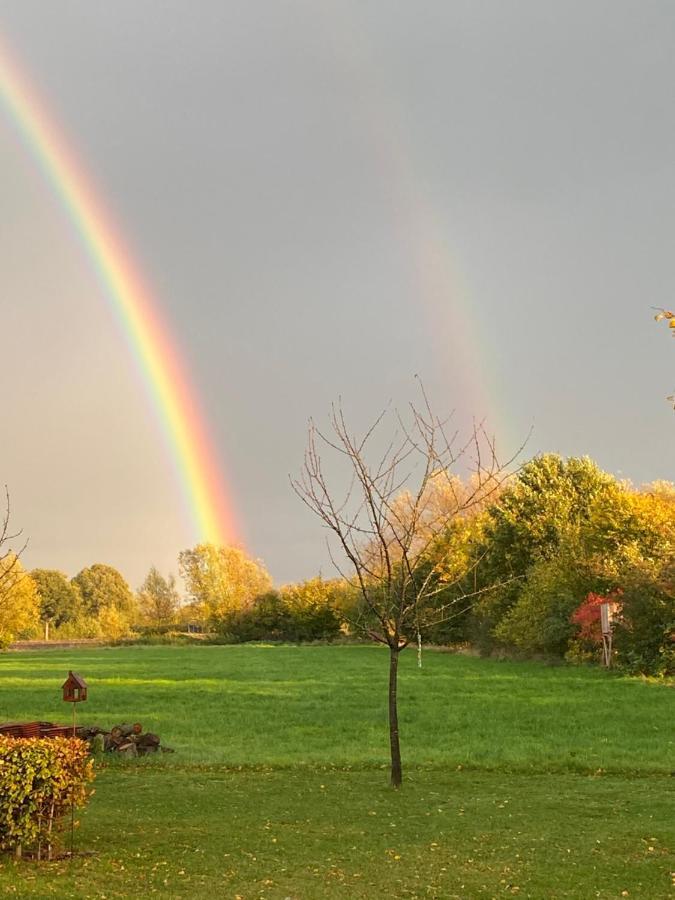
(328, 198)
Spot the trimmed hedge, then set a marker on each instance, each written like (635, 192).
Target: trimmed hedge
(39, 780)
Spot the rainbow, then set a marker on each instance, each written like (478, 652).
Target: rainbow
(163, 371)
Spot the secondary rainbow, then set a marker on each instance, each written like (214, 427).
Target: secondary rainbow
(176, 402)
(465, 349)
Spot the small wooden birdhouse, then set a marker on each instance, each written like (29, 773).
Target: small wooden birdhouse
(74, 688)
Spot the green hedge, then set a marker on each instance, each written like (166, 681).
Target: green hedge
(39, 780)
(272, 617)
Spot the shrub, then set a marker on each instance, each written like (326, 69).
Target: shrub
(153, 630)
(643, 625)
(80, 628)
(39, 780)
(645, 632)
(286, 616)
(539, 620)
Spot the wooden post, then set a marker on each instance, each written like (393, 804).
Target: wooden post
(74, 691)
(72, 805)
(606, 610)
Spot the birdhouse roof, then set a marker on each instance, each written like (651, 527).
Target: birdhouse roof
(74, 679)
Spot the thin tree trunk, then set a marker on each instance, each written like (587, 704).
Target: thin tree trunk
(396, 769)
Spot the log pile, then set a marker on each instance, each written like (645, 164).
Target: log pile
(128, 740)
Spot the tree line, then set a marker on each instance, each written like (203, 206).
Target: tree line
(230, 595)
(507, 572)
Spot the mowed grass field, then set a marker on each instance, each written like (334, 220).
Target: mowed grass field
(520, 779)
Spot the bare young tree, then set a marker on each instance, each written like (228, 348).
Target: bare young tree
(386, 519)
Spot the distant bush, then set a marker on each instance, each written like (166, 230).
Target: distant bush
(539, 620)
(39, 780)
(643, 623)
(283, 616)
(81, 628)
(644, 636)
(108, 624)
(162, 639)
(152, 630)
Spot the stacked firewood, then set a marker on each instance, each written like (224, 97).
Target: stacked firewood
(129, 740)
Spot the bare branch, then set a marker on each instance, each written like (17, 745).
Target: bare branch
(391, 515)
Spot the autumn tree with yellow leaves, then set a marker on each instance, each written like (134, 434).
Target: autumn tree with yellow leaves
(18, 596)
(221, 581)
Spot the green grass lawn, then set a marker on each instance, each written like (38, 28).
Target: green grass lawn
(520, 779)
